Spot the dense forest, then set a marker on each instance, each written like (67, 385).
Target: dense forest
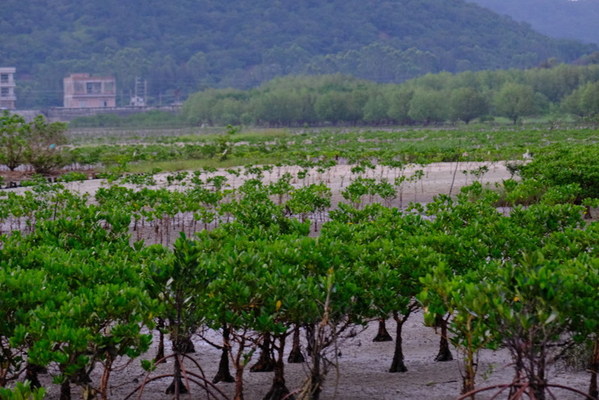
(572, 19)
(184, 46)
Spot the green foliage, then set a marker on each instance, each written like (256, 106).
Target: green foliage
(515, 101)
(73, 176)
(22, 391)
(44, 141)
(467, 104)
(337, 99)
(583, 101)
(13, 131)
(561, 166)
(36, 143)
(78, 293)
(428, 106)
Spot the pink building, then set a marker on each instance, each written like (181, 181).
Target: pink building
(86, 91)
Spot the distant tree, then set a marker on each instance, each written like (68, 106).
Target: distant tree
(198, 108)
(467, 104)
(214, 106)
(572, 104)
(589, 99)
(44, 141)
(278, 107)
(514, 101)
(37, 143)
(399, 103)
(13, 143)
(340, 106)
(428, 106)
(375, 109)
(229, 111)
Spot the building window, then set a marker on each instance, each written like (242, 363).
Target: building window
(94, 87)
(4, 78)
(4, 92)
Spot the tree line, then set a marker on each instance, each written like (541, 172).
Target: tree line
(434, 98)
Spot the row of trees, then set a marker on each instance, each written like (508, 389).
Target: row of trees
(294, 101)
(77, 295)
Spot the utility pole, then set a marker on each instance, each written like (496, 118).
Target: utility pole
(140, 91)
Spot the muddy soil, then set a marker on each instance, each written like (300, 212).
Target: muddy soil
(361, 373)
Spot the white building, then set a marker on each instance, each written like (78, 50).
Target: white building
(7, 88)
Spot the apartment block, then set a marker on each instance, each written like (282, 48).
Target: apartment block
(7, 88)
(86, 91)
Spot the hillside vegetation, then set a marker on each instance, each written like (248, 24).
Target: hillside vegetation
(184, 46)
(557, 18)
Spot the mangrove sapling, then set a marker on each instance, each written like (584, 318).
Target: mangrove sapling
(97, 325)
(321, 337)
(357, 189)
(290, 281)
(459, 296)
(182, 298)
(389, 262)
(97, 307)
(281, 187)
(330, 313)
(234, 296)
(309, 200)
(414, 179)
(538, 306)
(465, 233)
(391, 276)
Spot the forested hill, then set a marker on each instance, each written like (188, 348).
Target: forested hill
(181, 46)
(574, 19)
